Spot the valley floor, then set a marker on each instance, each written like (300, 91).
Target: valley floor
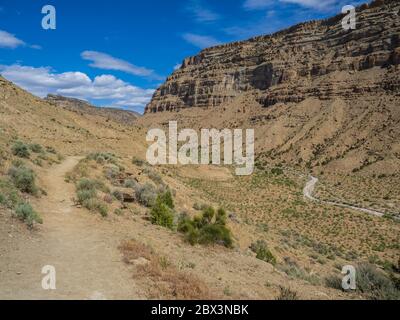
(83, 248)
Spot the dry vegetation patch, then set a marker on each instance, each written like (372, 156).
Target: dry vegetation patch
(160, 277)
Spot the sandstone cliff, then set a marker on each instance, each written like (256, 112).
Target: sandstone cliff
(281, 67)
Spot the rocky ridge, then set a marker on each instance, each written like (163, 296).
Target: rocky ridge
(77, 105)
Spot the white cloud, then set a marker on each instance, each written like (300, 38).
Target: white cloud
(42, 81)
(35, 46)
(105, 61)
(177, 66)
(267, 24)
(8, 40)
(256, 4)
(200, 13)
(312, 4)
(200, 41)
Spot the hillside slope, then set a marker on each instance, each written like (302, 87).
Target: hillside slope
(80, 106)
(25, 116)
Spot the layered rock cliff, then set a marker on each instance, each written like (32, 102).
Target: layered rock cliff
(283, 67)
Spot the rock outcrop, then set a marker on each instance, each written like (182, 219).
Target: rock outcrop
(282, 67)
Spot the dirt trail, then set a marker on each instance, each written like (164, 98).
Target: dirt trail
(81, 246)
(309, 190)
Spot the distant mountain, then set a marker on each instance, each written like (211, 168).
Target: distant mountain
(77, 105)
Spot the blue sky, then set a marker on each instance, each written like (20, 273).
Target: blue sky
(115, 53)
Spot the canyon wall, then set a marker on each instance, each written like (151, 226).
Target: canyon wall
(283, 67)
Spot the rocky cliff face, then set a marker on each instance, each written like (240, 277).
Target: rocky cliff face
(283, 67)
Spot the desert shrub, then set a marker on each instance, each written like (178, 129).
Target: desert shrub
(103, 210)
(154, 176)
(209, 228)
(2, 199)
(262, 252)
(102, 157)
(36, 148)
(166, 198)
(214, 233)
(146, 194)
(96, 205)
(161, 214)
(25, 212)
(86, 190)
(374, 284)
(277, 171)
(138, 162)
(396, 281)
(60, 157)
(118, 212)
(118, 195)
(9, 196)
(100, 160)
(81, 170)
(197, 206)
(100, 185)
(84, 195)
(293, 270)
(20, 149)
(130, 183)
(51, 150)
(38, 162)
(24, 179)
(112, 173)
(90, 184)
(86, 184)
(18, 163)
(287, 294)
(221, 217)
(334, 282)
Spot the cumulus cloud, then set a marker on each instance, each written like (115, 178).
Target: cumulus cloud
(200, 13)
(105, 61)
(42, 81)
(200, 41)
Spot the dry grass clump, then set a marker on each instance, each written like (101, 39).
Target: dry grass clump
(287, 294)
(163, 279)
(133, 250)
